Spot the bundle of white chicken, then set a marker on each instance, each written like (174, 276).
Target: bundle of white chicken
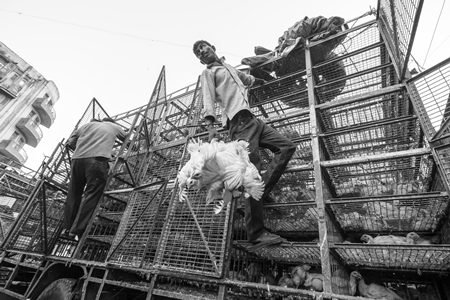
(221, 168)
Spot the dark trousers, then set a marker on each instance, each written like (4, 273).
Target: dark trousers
(258, 134)
(88, 175)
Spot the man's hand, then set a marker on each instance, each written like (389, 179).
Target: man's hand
(212, 132)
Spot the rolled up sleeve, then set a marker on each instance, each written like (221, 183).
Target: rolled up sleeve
(209, 93)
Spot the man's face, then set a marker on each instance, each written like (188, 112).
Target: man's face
(205, 53)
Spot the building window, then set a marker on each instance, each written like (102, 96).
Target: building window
(3, 63)
(18, 138)
(47, 100)
(35, 117)
(4, 100)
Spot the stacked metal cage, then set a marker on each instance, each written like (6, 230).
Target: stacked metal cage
(372, 158)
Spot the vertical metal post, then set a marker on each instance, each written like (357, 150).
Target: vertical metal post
(44, 215)
(324, 251)
(394, 29)
(411, 41)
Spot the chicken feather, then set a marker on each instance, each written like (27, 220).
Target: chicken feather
(374, 290)
(221, 168)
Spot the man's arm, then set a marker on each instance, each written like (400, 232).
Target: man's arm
(209, 94)
(72, 142)
(121, 135)
(249, 80)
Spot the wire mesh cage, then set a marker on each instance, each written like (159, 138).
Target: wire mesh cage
(285, 93)
(401, 18)
(378, 124)
(398, 135)
(194, 238)
(357, 65)
(248, 267)
(38, 227)
(340, 277)
(392, 105)
(417, 257)
(295, 187)
(404, 213)
(5, 225)
(430, 92)
(396, 176)
(139, 232)
(299, 219)
(406, 285)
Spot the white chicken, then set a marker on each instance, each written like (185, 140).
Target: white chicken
(387, 240)
(221, 168)
(373, 290)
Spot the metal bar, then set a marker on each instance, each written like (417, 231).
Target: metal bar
(384, 35)
(367, 24)
(102, 284)
(357, 74)
(377, 157)
(429, 70)
(129, 172)
(44, 210)
(386, 198)
(361, 97)
(322, 220)
(368, 125)
(411, 41)
(394, 29)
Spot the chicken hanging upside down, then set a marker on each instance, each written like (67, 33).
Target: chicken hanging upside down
(221, 168)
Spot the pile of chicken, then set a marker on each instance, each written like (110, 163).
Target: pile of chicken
(222, 169)
(301, 277)
(411, 238)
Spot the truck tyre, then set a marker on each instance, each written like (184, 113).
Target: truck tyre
(60, 289)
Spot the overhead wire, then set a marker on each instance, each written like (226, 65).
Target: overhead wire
(432, 37)
(106, 30)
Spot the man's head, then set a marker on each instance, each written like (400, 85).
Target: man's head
(205, 52)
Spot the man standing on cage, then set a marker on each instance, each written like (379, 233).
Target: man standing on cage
(223, 84)
(93, 144)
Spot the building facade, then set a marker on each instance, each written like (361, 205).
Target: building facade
(26, 104)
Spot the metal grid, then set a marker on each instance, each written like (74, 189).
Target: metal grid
(401, 18)
(427, 257)
(443, 160)
(163, 164)
(359, 64)
(95, 250)
(300, 219)
(307, 253)
(194, 238)
(182, 111)
(376, 139)
(389, 214)
(298, 131)
(14, 185)
(295, 187)
(57, 167)
(396, 176)
(5, 225)
(139, 232)
(339, 277)
(286, 93)
(38, 227)
(430, 92)
(374, 109)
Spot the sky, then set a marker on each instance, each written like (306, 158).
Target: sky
(114, 50)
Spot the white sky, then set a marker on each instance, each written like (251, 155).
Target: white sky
(114, 50)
